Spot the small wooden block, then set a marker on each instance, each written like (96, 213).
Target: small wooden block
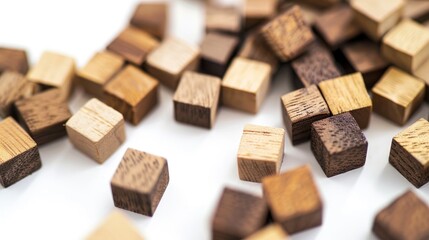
(406, 45)
(133, 93)
(270, 232)
(288, 34)
(300, 109)
(217, 50)
(171, 59)
(97, 130)
(246, 84)
(196, 99)
(133, 45)
(223, 19)
(405, 218)
(255, 48)
(152, 18)
(294, 200)
(409, 153)
(115, 227)
(417, 10)
(397, 95)
(238, 215)
(348, 94)
(139, 182)
(44, 115)
(260, 153)
(98, 71)
(19, 155)
(376, 17)
(256, 11)
(14, 60)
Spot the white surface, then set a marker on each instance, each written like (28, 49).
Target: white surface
(70, 195)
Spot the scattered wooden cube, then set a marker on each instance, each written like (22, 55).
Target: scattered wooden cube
(255, 48)
(133, 93)
(397, 95)
(196, 99)
(417, 10)
(288, 34)
(256, 11)
(97, 130)
(152, 18)
(238, 215)
(44, 115)
(405, 218)
(139, 182)
(171, 59)
(409, 153)
(348, 94)
(245, 84)
(115, 227)
(14, 60)
(293, 199)
(19, 155)
(270, 232)
(223, 19)
(300, 109)
(260, 153)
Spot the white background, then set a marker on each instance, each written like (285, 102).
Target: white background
(70, 195)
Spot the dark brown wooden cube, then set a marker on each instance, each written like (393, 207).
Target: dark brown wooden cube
(14, 60)
(223, 19)
(152, 18)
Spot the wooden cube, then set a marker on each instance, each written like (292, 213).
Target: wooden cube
(260, 153)
(397, 95)
(238, 215)
(300, 109)
(19, 153)
(97, 130)
(294, 200)
(196, 99)
(288, 34)
(256, 11)
(348, 94)
(405, 218)
(270, 232)
(417, 10)
(133, 93)
(171, 59)
(255, 48)
(223, 19)
(44, 115)
(376, 17)
(139, 182)
(406, 45)
(423, 73)
(152, 18)
(246, 84)
(14, 60)
(98, 71)
(409, 153)
(133, 45)
(115, 227)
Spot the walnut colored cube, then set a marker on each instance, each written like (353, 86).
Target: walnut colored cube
(152, 18)
(223, 19)
(14, 60)
(255, 48)
(116, 226)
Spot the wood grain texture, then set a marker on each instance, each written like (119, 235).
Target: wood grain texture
(196, 99)
(270, 232)
(409, 153)
(238, 215)
(422, 73)
(407, 217)
(171, 59)
(260, 153)
(133, 93)
(417, 10)
(348, 94)
(19, 155)
(246, 84)
(139, 182)
(300, 109)
(397, 95)
(256, 11)
(152, 18)
(44, 115)
(14, 60)
(293, 199)
(255, 48)
(96, 130)
(223, 19)
(115, 227)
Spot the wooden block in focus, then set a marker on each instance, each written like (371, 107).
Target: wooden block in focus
(196, 99)
(255, 48)
(19, 155)
(376, 17)
(238, 215)
(288, 35)
(152, 18)
(98, 71)
(256, 11)
(397, 95)
(133, 93)
(300, 109)
(417, 10)
(407, 217)
(294, 200)
(14, 60)
(223, 19)
(97, 130)
(348, 94)
(260, 153)
(171, 59)
(115, 227)
(246, 84)
(139, 182)
(409, 153)
(270, 232)
(133, 45)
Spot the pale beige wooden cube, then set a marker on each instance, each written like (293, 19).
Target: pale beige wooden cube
(115, 227)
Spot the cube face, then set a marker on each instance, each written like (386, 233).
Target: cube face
(255, 48)
(152, 18)
(417, 10)
(14, 60)
(223, 19)
(271, 232)
(115, 226)
(256, 11)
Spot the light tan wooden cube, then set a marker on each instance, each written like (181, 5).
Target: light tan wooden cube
(116, 226)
